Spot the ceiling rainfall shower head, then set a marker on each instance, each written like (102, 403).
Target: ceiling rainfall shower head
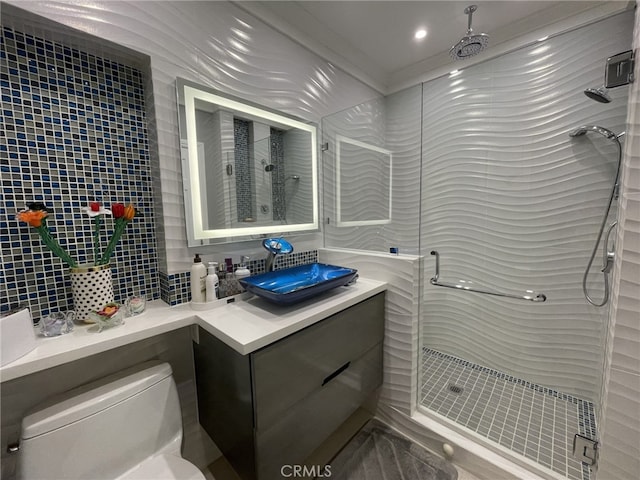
(598, 94)
(470, 44)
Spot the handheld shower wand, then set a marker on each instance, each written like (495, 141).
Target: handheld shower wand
(608, 256)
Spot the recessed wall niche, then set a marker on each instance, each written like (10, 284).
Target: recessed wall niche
(75, 130)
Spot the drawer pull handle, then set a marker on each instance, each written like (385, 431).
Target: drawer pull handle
(336, 373)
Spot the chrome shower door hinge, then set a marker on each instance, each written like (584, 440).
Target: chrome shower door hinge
(619, 69)
(585, 450)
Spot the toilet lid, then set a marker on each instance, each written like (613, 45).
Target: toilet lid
(164, 467)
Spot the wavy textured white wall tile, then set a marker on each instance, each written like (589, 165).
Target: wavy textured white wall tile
(508, 199)
(511, 202)
(392, 123)
(620, 431)
(402, 306)
(221, 46)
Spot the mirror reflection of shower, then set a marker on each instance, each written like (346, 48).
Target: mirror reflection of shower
(608, 253)
(268, 167)
(290, 187)
(264, 189)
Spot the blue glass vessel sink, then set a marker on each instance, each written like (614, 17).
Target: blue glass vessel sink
(292, 285)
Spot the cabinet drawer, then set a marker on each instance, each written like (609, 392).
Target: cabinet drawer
(304, 426)
(286, 372)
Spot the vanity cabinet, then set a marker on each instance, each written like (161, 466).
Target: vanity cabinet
(274, 406)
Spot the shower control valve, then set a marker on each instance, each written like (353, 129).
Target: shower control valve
(608, 264)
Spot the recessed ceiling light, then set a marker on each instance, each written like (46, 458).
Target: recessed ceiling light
(420, 34)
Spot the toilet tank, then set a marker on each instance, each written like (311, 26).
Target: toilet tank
(103, 429)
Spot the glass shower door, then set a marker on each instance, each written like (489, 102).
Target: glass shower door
(512, 203)
(371, 182)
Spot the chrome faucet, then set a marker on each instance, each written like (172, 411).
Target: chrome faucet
(275, 246)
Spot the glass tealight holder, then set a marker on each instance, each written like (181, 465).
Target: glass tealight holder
(108, 317)
(135, 304)
(57, 323)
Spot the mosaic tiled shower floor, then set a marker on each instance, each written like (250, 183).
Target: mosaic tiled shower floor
(528, 419)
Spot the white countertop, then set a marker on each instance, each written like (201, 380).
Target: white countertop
(245, 325)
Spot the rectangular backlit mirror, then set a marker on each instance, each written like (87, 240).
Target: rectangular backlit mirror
(246, 170)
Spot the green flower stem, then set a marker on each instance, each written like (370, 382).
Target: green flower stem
(96, 238)
(54, 246)
(121, 223)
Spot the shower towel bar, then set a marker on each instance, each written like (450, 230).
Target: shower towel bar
(464, 285)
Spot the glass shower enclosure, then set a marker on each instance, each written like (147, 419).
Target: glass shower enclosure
(478, 166)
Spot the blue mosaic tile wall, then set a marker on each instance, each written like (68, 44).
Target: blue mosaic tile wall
(74, 131)
(176, 288)
(245, 183)
(278, 198)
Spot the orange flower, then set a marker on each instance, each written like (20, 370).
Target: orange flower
(129, 212)
(32, 217)
(109, 310)
(35, 215)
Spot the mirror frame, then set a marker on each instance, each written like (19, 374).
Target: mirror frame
(196, 233)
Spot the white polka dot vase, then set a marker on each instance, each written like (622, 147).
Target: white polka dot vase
(92, 288)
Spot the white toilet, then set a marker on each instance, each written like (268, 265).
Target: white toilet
(124, 426)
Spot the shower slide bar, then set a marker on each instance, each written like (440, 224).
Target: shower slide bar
(465, 285)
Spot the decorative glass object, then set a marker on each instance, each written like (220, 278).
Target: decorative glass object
(57, 323)
(92, 288)
(111, 315)
(135, 305)
(36, 215)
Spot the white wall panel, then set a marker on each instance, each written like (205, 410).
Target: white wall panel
(402, 306)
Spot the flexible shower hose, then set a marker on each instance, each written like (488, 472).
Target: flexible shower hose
(595, 247)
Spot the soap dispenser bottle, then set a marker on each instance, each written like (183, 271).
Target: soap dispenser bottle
(242, 271)
(212, 283)
(198, 275)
